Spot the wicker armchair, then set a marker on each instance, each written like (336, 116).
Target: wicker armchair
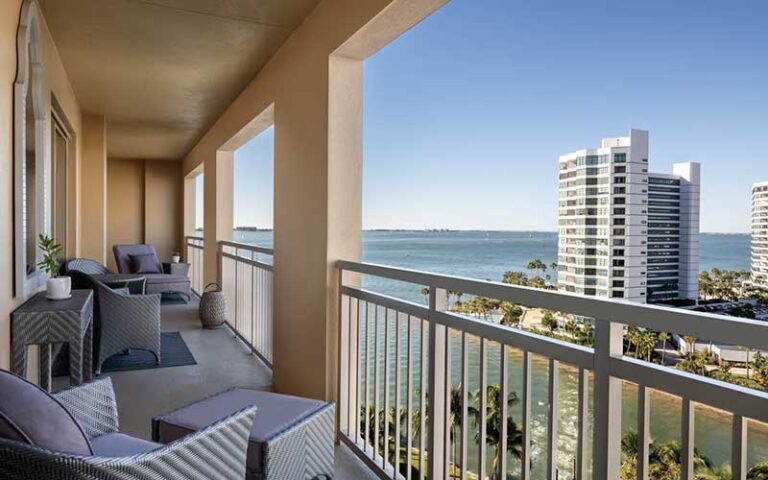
(217, 452)
(80, 268)
(126, 322)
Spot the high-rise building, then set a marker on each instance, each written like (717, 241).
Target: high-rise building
(760, 234)
(624, 232)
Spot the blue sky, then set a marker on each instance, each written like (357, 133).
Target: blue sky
(466, 114)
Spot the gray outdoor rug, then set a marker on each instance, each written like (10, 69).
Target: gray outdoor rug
(174, 353)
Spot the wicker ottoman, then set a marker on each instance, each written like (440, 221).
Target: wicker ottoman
(292, 438)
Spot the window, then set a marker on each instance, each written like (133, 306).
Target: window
(618, 242)
(33, 170)
(620, 157)
(618, 284)
(619, 179)
(619, 231)
(617, 294)
(618, 252)
(619, 190)
(621, 169)
(619, 221)
(620, 201)
(619, 211)
(618, 273)
(618, 263)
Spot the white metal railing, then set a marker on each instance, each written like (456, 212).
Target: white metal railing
(246, 277)
(194, 256)
(406, 372)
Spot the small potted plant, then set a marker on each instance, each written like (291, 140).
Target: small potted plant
(175, 257)
(57, 287)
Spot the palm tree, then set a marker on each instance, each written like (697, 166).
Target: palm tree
(664, 338)
(691, 341)
(515, 278)
(493, 421)
(511, 314)
(536, 264)
(549, 321)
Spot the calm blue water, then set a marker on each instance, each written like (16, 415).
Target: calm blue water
(486, 255)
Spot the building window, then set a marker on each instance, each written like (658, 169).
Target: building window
(619, 231)
(618, 252)
(618, 263)
(620, 157)
(618, 284)
(619, 211)
(619, 179)
(621, 169)
(618, 273)
(619, 190)
(620, 201)
(619, 221)
(617, 294)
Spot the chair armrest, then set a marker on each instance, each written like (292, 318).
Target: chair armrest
(180, 268)
(218, 452)
(93, 405)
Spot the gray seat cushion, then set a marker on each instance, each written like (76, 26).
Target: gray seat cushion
(121, 445)
(30, 415)
(164, 278)
(276, 414)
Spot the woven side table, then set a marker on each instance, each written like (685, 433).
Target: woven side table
(45, 322)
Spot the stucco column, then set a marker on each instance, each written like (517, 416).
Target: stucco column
(93, 174)
(317, 222)
(217, 209)
(189, 212)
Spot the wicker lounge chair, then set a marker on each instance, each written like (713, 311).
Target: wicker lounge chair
(163, 280)
(73, 435)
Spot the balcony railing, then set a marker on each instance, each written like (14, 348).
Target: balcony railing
(413, 377)
(194, 256)
(247, 282)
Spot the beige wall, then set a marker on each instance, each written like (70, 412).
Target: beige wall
(59, 87)
(93, 194)
(144, 205)
(317, 174)
(125, 204)
(163, 216)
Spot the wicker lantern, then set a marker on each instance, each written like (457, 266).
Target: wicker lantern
(213, 306)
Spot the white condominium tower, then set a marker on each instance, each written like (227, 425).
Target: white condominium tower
(760, 234)
(624, 232)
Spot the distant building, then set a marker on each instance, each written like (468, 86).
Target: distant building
(760, 234)
(624, 232)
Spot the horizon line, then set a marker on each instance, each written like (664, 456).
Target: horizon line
(260, 229)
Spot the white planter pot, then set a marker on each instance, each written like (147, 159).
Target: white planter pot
(176, 259)
(58, 288)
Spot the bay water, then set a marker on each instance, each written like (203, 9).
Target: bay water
(486, 256)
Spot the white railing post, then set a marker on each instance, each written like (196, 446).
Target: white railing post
(438, 301)
(609, 337)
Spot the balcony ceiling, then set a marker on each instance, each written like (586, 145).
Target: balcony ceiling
(162, 71)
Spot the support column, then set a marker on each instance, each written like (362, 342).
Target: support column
(318, 152)
(217, 209)
(93, 175)
(189, 210)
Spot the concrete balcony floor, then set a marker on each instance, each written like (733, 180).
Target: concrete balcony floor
(222, 362)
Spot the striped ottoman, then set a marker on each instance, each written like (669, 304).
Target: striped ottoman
(292, 438)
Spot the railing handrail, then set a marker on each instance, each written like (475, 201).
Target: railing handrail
(247, 246)
(709, 326)
(187, 238)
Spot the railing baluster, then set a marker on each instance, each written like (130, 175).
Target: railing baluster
(483, 406)
(581, 438)
(375, 380)
(687, 440)
(447, 400)
(397, 418)
(366, 412)
(502, 473)
(525, 473)
(554, 390)
(739, 448)
(354, 365)
(437, 407)
(386, 386)
(409, 398)
(464, 402)
(643, 431)
(423, 400)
